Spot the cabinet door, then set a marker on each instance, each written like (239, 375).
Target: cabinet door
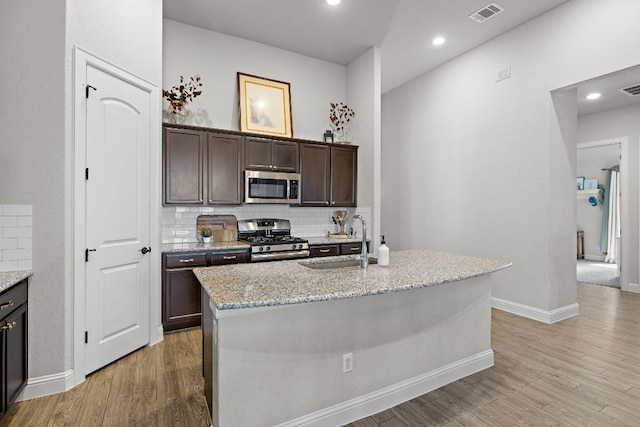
(315, 169)
(344, 176)
(323, 250)
(285, 156)
(14, 355)
(257, 153)
(183, 171)
(224, 169)
(180, 300)
(350, 248)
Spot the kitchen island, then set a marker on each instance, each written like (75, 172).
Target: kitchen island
(286, 344)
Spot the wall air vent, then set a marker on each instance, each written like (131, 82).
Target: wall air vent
(486, 12)
(631, 90)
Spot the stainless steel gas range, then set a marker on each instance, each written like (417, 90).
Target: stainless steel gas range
(271, 239)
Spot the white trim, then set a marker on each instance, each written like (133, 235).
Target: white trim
(81, 60)
(633, 287)
(534, 313)
(388, 397)
(599, 258)
(47, 385)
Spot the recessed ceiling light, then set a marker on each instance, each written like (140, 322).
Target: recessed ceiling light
(333, 2)
(594, 95)
(438, 41)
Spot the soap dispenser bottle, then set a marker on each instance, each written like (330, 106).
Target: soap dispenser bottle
(383, 253)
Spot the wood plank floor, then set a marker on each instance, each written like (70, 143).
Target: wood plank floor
(584, 371)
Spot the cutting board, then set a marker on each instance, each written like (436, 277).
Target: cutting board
(224, 227)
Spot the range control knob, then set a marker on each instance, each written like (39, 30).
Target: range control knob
(268, 248)
(293, 247)
(261, 248)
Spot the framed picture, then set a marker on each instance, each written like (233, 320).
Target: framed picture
(265, 106)
(590, 184)
(580, 183)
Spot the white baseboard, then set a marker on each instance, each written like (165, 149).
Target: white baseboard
(48, 384)
(534, 313)
(388, 397)
(633, 287)
(599, 258)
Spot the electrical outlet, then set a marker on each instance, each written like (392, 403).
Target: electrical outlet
(347, 362)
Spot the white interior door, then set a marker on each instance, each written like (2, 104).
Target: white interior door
(117, 218)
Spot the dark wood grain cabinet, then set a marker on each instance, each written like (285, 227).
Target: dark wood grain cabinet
(224, 169)
(335, 249)
(181, 306)
(13, 343)
(271, 155)
(201, 168)
(329, 175)
(183, 166)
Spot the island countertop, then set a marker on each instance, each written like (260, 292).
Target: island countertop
(266, 284)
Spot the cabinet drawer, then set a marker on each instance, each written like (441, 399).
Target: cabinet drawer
(350, 248)
(324, 250)
(232, 257)
(13, 298)
(185, 260)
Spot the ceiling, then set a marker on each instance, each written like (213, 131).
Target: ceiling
(403, 29)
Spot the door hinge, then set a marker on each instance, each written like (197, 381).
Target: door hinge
(86, 337)
(86, 174)
(86, 90)
(86, 254)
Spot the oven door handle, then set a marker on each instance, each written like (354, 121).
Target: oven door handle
(280, 255)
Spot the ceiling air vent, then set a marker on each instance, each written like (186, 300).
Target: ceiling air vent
(486, 12)
(631, 90)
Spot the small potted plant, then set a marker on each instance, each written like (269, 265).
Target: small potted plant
(206, 234)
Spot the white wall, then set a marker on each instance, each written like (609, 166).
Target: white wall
(616, 123)
(37, 148)
(481, 167)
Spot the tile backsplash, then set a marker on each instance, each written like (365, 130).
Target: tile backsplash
(179, 222)
(15, 237)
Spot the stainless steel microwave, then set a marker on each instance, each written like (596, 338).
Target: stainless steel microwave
(271, 187)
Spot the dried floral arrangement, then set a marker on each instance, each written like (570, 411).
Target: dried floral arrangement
(340, 116)
(185, 91)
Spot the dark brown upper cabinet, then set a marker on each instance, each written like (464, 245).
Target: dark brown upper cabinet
(224, 169)
(183, 171)
(201, 167)
(328, 175)
(270, 154)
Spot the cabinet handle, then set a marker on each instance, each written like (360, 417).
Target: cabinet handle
(333, 203)
(187, 260)
(326, 203)
(355, 248)
(8, 326)
(229, 257)
(324, 251)
(6, 305)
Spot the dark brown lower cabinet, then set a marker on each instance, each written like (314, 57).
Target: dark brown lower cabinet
(13, 344)
(181, 289)
(333, 249)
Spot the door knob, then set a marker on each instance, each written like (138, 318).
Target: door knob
(144, 250)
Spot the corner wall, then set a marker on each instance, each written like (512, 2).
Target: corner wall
(469, 159)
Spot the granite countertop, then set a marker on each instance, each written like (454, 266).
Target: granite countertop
(288, 282)
(10, 278)
(199, 246)
(327, 240)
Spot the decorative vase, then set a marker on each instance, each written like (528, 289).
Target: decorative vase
(177, 111)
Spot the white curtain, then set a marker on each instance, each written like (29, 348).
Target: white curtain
(613, 228)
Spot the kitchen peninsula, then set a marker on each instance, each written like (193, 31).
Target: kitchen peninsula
(286, 344)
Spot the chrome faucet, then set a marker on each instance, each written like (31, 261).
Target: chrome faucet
(364, 259)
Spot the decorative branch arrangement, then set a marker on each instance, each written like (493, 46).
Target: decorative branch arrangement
(340, 116)
(184, 92)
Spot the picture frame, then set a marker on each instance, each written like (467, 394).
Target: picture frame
(580, 183)
(591, 184)
(265, 105)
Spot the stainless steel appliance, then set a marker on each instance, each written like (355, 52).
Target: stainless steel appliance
(271, 187)
(271, 239)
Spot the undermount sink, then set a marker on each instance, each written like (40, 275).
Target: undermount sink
(331, 264)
